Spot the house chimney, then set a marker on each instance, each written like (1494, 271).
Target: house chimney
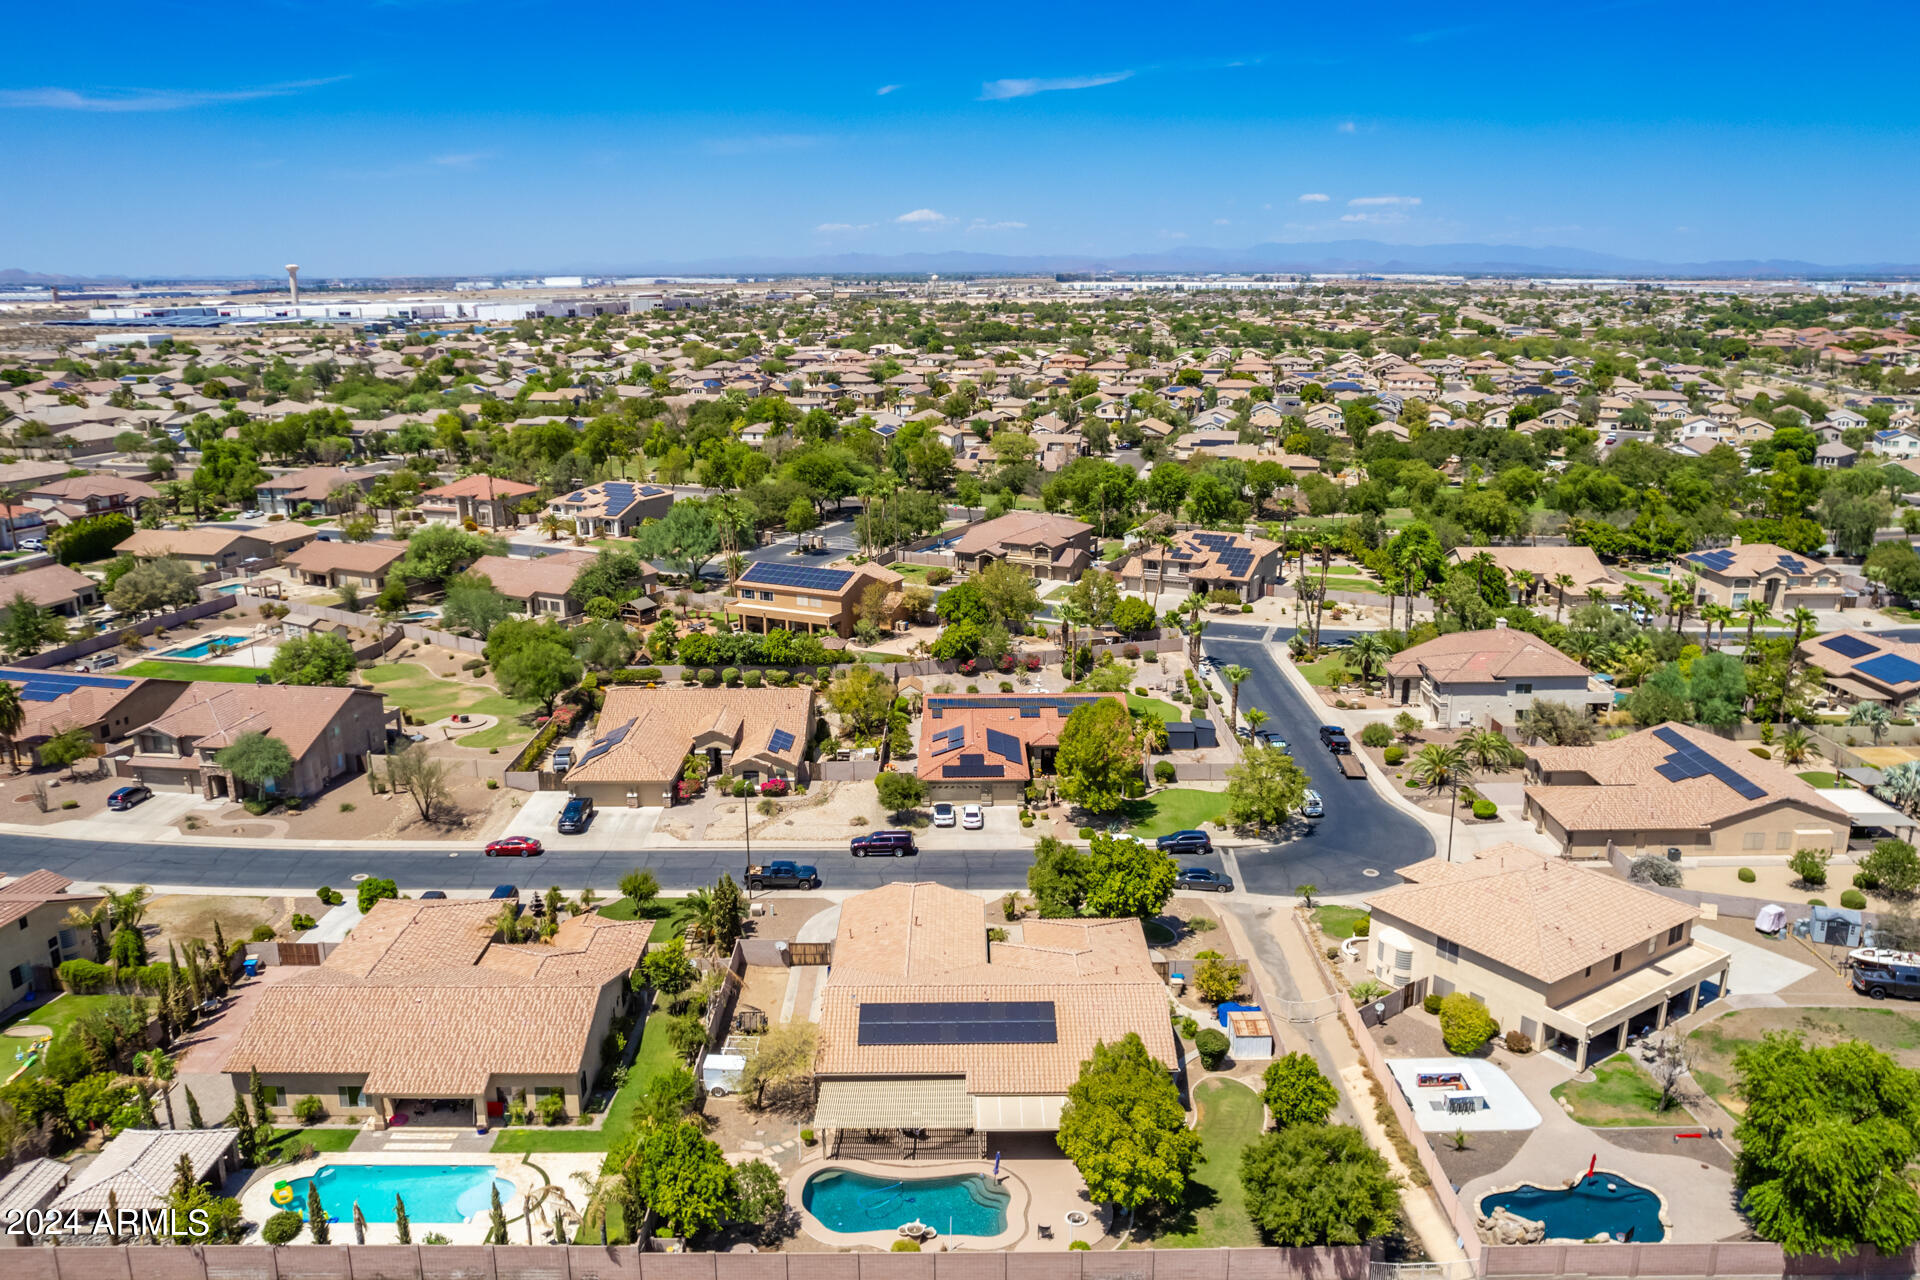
(1499, 624)
(1736, 541)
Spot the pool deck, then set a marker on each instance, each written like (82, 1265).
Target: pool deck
(1043, 1190)
(1698, 1199)
(256, 1203)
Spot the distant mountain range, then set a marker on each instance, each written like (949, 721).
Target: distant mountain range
(1302, 258)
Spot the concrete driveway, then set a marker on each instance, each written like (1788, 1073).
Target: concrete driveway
(613, 829)
(152, 819)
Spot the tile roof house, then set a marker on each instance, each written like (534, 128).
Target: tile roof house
(645, 735)
(986, 747)
(1675, 786)
(1200, 560)
(1574, 959)
(1547, 564)
(337, 564)
(1478, 677)
(110, 706)
(487, 500)
(1782, 579)
(137, 1169)
(282, 495)
(329, 732)
(206, 550)
(34, 935)
(421, 1011)
(612, 508)
(28, 1187)
(1051, 547)
(926, 1025)
(772, 594)
(542, 585)
(54, 587)
(1862, 667)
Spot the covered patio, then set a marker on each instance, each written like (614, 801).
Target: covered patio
(1598, 1025)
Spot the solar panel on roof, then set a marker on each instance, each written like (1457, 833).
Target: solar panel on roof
(958, 1022)
(973, 766)
(1792, 565)
(1689, 761)
(1849, 646)
(1891, 668)
(804, 577)
(1004, 745)
(949, 739)
(780, 741)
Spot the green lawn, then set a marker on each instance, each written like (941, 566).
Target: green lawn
(1658, 579)
(1338, 922)
(669, 916)
(912, 572)
(1819, 778)
(1620, 1094)
(428, 698)
(1337, 583)
(1893, 1032)
(1165, 710)
(1175, 809)
(654, 1059)
(288, 1141)
(1215, 1213)
(1330, 670)
(57, 1016)
(156, 670)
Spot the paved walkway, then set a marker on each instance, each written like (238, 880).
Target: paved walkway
(1699, 1199)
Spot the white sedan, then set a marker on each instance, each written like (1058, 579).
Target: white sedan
(972, 818)
(943, 814)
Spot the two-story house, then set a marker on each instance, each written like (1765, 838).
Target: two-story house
(35, 938)
(1056, 548)
(316, 487)
(1573, 959)
(1202, 561)
(1784, 580)
(802, 597)
(543, 585)
(329, 732)
(488, 501)
(612, 508)
(1477, 677)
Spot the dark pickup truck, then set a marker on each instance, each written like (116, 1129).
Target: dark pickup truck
(783, 875)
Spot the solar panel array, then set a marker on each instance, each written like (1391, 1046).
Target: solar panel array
(50, 686)
(972, 766)
(1792, 565)
(1027, 704)
(959, 1022)
(1719, 561)
(1850, 646)
(1892, 668)
(606, 744)
(949, 739)
(781, 740)
(1689, 761)
(1005, 745)
(805, 577)
(619, 496)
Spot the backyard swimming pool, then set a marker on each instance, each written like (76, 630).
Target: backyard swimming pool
(433, 1192)
(205, 648)
(969, 1204)
(1599, 1204)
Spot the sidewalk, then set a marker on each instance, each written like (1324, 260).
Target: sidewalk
(1302, 978)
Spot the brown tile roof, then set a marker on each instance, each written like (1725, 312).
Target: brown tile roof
(1856, 647)
(421, 1000)
(84, 706)
(89, 486)
(663, 725)
(216, 714)
(1752, 559)
(181, 542)
(139, 1167)
(1020, 529)
(482, 485)
(50, 584)
(520, 578)
(1541, 916)
(1628, 793)
(910, 943)
(354, 557)
(958, 711)
(22, 894)
(1193, 553)
(1578, 563)
(1483, 657)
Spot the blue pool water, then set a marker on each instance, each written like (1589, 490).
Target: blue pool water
(433, 1192)
(964, 1205)
(231, 589)
(1602, 1204)
(418, 615)
(202, 648)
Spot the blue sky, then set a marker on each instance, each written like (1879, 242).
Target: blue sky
(452, 136)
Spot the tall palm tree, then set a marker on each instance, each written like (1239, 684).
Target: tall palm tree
(1439, 767)
(1875, 717)
(155, 1067)
(1713, 613)
(1804, 623)
(1525, 581)
(1755, 611)
(1369, 650)
(1489, 749)
(1234, 676)
(552, 526)
(129, 907)
(13, 718)
(94, 920)
(1561, 582)
(1900, 784)
(1255, 718)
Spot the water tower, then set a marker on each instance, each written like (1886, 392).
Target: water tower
(293, 281)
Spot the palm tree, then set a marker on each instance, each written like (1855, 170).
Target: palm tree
(129, 908)
(1795, 745)
(1804, 623)
(552, 526)
(1255, 718)
(155, 1067)
(1716, 614)
(1490, 750)
(1369, 649)
(1482, 563)
(94, 920)
(1901, 784)
(1755, 611)
(1524, 582)
(1233, 675)
(1875, 717)
(1439, 767)
(13, 718)
(1561, 581)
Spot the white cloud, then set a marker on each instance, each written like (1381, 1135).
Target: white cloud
(1315, 197)
(51, 99)
(924, 217)
(1387, 218)
(886, 89)
(981, 224)
(1362, 201)
(842, 228)
(1002, 90)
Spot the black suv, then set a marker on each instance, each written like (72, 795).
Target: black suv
(1335, 739)
(1189, 841)
(577, 816)
(884, 844)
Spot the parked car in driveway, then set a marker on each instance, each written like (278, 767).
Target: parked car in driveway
(1201, 879)
(515, 847)
(577, 816)
(972, 818)
(1189, 841)
(944, 815)
(127, 797)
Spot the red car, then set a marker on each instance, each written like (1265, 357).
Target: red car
(514, 847)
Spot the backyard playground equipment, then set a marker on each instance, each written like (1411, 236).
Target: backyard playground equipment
(283, 1194)
(31, 1052)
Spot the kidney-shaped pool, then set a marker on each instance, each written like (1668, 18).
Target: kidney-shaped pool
(1600, 1204)
(970, 1204)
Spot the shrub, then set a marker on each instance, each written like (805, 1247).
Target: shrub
(996, 934)
(1394, 754)
(1026, 818)
(1810, 865)
(1465, 1023)
(1212, 1043)
(730, 677)
(1131, 653)
(1853, 900)
(82, 976)
(1362, 926)
(1376, 735)
(752, 679)
(1747, 876)
(647, 675)
(1163, 771)
(1865, 880)
(1188, 1028)
(1762, 752)
(1246, 608)
(69, 804)
(309, 1110)
(709, 677)
(807, 1138)
(261, 933)
(906, 1246)
(1431, 1004)
(1078, 1246)
(553, 1109)
(1654, 869)
(301, 922)
(1816, 902)
(283, 1227)
(1086, 833)
(1485, 809)
(937, 576)
(1518, 1042)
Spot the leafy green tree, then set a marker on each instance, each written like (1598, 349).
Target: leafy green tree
(668, 968)
(1125, 1129)
(1824, 1144)
(437, 551)
(322, 659)
(642, 886)
(1098, 761)
(257, 759)
(1661, 697)
(900, 791)
(1264, 788)
(539, 672)
(473, 605)
(1717, 684)
(762, 1198)
(684, 1179)
(152, 586)
(685, 539)
(862, 698)
(1465, 1024)
(1319, 1184)
(1893, 867)
(1007, 593)
(90, 537)
(1058, 878)
(26, 628)
(374, 889)
(1127, 878)
(68, 748)
(1297, 1093)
